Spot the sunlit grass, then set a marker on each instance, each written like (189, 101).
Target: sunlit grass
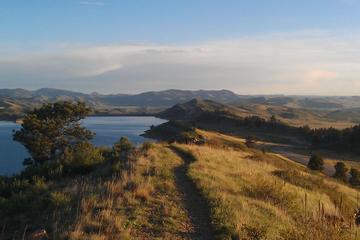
(141, 205)
(250, 199)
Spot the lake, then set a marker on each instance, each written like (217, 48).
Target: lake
(108, 130)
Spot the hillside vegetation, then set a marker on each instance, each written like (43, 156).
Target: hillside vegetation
(250, 194)
(109, 203)
(262, 196)
(196, 184)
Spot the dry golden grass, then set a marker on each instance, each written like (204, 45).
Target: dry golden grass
(257, 196)
(253, 195)
(218, 140)
(143, 204)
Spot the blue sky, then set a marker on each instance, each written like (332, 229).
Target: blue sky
(134, 46)
(167, 21)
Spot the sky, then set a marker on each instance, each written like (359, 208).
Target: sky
(307, 47)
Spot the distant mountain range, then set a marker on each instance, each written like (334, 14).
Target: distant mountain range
(15, 102)
(170, 97)
(150, 99)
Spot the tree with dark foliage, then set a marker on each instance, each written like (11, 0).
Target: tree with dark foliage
(354, 177)
(316, 163)
(347, 140)
(340, 171)
(48, 131)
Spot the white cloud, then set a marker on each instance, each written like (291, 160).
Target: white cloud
(293, 63)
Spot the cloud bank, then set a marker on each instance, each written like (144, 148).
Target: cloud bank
(292, 63)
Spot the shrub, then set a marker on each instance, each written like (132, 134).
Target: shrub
(39, 183)
(82, 157)
(354, 176)
(250, 141)
(10, 187)
(49, 170)
(59, 199)
(17, 204)
(340, 171)
(122, 149)
(316, 163)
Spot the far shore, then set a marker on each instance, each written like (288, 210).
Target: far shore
(19, 120)
(123, 115)
(14, 119)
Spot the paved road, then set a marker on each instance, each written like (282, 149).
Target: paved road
(300, 158)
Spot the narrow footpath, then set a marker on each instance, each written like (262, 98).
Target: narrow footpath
(197, 207)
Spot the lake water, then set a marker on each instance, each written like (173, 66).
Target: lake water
(108, 130)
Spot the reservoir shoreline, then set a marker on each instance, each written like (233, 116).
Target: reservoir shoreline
(107, 129)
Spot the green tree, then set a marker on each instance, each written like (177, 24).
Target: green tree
(316, 163)
(354, 176)
(340, 171)
(46, 132)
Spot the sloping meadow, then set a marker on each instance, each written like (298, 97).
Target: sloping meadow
(262, 196)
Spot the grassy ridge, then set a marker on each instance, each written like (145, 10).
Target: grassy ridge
(257, 196)
(106, 204)
(251, 194)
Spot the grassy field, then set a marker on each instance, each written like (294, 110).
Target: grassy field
(261, 196)
(221, 190)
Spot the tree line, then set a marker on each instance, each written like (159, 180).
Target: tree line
(347, 139)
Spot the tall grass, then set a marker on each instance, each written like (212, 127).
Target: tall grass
(139, 204)
(260, 196)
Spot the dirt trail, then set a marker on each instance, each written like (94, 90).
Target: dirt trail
(197, 207)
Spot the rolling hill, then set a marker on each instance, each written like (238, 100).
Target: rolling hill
(192, 110)
(338, 112)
